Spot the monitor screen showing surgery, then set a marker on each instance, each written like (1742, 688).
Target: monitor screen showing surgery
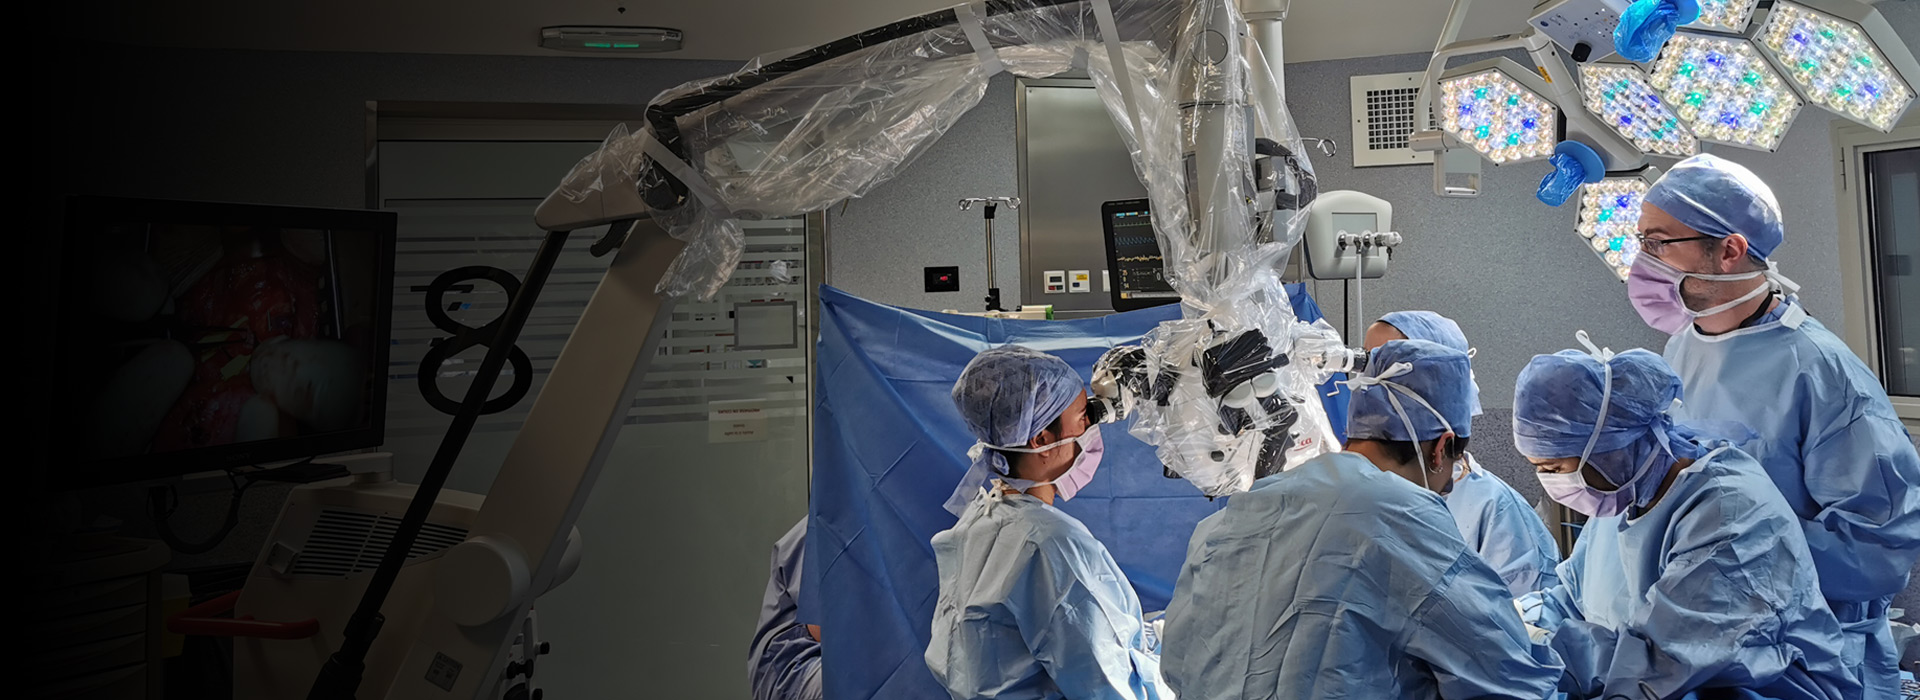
(183, 336)
(1138, 270)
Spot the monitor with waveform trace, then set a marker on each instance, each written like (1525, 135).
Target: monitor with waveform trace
(1133, 256)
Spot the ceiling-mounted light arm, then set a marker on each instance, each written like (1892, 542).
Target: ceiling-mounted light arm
(1616, 153)
(1456, 171)
(1449, 34)
(1423, 101)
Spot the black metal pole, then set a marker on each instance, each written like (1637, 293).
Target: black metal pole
(339, 679)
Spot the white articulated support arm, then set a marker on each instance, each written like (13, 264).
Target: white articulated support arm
(1442, 50)
(1618, 154)
(1563, 90)
(554, 461)
(1266, 22)
(1452, 160)
(1427, 136)
(1219, 189)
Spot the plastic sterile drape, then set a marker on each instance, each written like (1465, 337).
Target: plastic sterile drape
(1227, 177)
(804, 133)
(888, 447)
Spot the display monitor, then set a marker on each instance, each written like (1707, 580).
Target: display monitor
(1134, 261)
(198, 336)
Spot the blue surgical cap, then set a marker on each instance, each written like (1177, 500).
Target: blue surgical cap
(1556, 405)
(1719, 198)
(1432, 327)
(1428, 326)
(1437, 373)
(1007, 395)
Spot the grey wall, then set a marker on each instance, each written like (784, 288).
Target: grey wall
(878, 244)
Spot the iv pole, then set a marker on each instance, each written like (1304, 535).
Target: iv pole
(993, 283)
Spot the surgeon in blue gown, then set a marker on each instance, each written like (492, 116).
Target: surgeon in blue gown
(784, 663)
(1346, 576)
(1494, 519)
(1692, 575)
(1820, 422)
(1031, 605)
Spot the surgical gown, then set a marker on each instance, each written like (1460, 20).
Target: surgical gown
(1499, 526)
(1713, 587)
(1032, 606)
(1831, 443)
(1339, 580)
(785, 662)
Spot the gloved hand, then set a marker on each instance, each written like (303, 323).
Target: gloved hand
(1535, 611)
(1152, 625)
(1538, 636)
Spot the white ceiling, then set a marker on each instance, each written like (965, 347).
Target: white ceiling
(715, 29)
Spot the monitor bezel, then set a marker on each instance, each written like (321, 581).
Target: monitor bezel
(1107, 210)
(89, 213)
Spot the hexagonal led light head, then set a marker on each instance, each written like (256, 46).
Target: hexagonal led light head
(1620, 96)
(1498, 109)
(1609, 220)
(1724, 15)
(1724, 91)
(1850, 64)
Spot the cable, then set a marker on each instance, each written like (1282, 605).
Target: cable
(163, 500)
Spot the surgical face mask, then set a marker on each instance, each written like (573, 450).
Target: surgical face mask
(1654, 288)
(1571, 490)
(1068, 485)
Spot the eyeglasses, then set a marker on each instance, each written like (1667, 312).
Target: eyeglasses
(1655, 245)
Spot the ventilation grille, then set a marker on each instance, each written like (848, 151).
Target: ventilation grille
(345, 542)
(1383, 119)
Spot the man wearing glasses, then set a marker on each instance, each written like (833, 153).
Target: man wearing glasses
(1758, 370)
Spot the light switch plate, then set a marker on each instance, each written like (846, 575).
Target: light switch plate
(1056, 281)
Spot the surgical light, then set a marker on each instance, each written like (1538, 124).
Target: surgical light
(1620, 96)
(1837, 64)
(1724, 15)
(1490, 108)
(1610, 220)
(1724, 91)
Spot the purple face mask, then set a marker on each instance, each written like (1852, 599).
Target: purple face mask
(1572, 491)
(1655, 293)
(1654, 288)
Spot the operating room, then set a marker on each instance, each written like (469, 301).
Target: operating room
(686, 364)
